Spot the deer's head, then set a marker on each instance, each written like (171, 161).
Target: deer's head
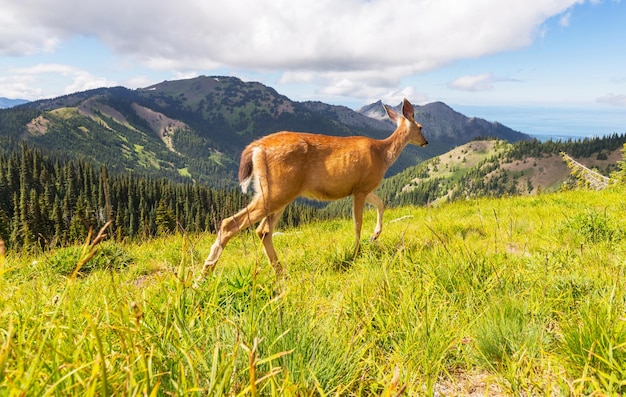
(407, 122)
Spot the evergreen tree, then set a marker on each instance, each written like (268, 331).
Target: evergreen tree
(165, 221)
(5, 226)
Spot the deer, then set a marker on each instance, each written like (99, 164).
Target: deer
(285, 165)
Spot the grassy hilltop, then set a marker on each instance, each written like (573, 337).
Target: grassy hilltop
(522, 295)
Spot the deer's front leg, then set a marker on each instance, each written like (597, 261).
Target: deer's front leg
(357, 215)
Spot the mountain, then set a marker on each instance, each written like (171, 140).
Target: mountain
(196, 128)
(347, 116)
(9, 103)
(442, 123)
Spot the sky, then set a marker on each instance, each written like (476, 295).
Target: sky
(545, 67)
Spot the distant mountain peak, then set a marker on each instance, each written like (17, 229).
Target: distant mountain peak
(374, 111)
(441, 122)
(9, 103)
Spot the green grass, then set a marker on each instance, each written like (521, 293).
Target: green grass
(514, 296)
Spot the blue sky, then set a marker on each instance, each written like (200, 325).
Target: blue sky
(552, 67)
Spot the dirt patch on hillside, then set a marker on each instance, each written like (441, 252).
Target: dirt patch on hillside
(544, 173)
(549, 173)
(93, 109)
(38, 126)
(162, 125)
(611, 159)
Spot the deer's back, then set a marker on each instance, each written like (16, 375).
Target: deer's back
(320, 166)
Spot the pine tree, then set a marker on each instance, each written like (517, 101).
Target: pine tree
(25, 231)
(15, 239)
(60, 228)
(37, 224)
(78, 224)
(165, 221)
(5, 226)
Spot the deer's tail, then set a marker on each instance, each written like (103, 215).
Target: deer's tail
(245, 169)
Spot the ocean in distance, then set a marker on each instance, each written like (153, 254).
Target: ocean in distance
(545, 123)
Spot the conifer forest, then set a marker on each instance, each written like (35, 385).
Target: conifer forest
(48, 203)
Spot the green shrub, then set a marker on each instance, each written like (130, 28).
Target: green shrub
(109, 256)
(506, 330)
(595, 227)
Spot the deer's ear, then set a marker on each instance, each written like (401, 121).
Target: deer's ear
(407, 110)
(395, 117)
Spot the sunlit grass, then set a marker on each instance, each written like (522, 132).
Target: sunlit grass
(506, 296)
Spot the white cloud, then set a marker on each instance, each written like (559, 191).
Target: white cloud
(17, 84)
(613, 99)
(138, 82)
(15, 88)
(480, 82)
(46, 68)
(346, 45)
(17, 39)
(82, 81)
(565, 19)
(396, 96)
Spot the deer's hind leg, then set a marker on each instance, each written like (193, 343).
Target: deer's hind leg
(253, 213)
(265, 230)
(380, 209)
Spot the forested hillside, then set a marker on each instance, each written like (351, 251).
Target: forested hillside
(497, 168)
(54, 203)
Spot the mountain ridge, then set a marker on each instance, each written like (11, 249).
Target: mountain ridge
(196, 128)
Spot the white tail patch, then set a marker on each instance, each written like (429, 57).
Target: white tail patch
(245, 184)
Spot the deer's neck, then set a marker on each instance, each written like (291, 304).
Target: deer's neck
(395, 144)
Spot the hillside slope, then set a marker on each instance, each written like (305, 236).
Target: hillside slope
(496, 168)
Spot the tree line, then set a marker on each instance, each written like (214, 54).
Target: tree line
(577, 148)
(46, 202)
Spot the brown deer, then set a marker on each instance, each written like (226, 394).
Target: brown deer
(286, 165)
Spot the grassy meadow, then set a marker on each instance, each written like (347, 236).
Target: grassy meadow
(514, 296)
